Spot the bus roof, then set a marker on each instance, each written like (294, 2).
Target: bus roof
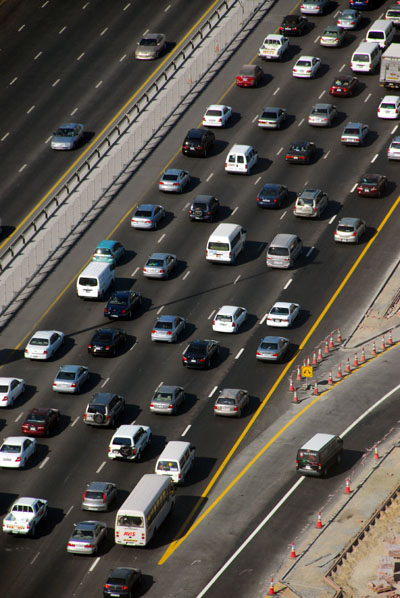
(148, 486)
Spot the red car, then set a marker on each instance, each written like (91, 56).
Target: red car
(344, 86)
(41, 422)
(250, 75)
(371, 185)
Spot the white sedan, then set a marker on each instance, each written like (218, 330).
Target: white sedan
(16, 450)
(43, 344)
(10, 390)
(283, 314)
(217, 115)
(389, 107)
(306, 67)
(229, 318)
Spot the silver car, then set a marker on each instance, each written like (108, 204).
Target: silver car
(99, 496)
(87, 537)
(159, 265)
(150, 46)
(231, 402)
(67, 136)
(70, 378)
(147, 216)
(393, 152)
(322, 115)
(168, 328)
(314, 7)
(350, 230)
(272, 118)
(272, 348)
(349, 19)
(354, 134)
(167, 399)
(333, 36)
(173, 180)
(311, 203)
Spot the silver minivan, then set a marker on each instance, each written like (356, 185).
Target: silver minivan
(284, 250)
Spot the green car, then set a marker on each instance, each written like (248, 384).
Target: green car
(108, 251)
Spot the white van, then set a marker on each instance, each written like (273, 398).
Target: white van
(381, 32)
(176, 460)
(225, 244)
(366, 58)
(94, 281)
(241, 159)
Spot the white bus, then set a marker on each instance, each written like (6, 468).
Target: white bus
(144, 510)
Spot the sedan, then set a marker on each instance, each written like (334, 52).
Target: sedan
(283, 314)
(16, 450)
(99, 496)
(389, 107)
(333, 36)
(306, 67)
(272, 348)
(272, 196)
(322, 115)
(293, 25)
(108, 251)
(67, 136)
(272, 118)
(173, 180)
(41, 421)
(354, 134)
(393, 152)
(159, 265)
(371, 185)
(349, 230)
(200, 353)
(250, 75)
(231, 402)
(122, 582)
(300, 152)
(150, 46)
(43, 344)
(314, 7)
(10, 390)
(344, 86)
(349, 19)
(204, 208)
(87, 537)
(168, 328)
(147, 216)
(122, 304)
(70, 378)
(217, 115)
(107, 341)
(229, 318)
(167, 399)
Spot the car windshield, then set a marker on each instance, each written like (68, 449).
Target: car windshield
(65, 132)
(281, 311)
(34, 418)
(96, 409)
(388, 106)
(345, 228)
(269, 191)
(143, 213)
(215, 246)
(269, 115)
(130, 521)
(225, 401)
(269, 346)
(213, 113)
(167, 465)
(148, 41)
(39, 342)
(351, 131)
(164, 325)
(4, 388)
(10, 448)
(82, 534)
(223, 318)
(63, 375)
(155, 263)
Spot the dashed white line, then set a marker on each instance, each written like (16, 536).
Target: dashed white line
(235, 210)
(146, 32)
(104, 31)
(186, 430)
(133, 422)
(353, 188)
(73, 111)
(62, 30)
(374, 158)
(133, 346)
(301, 122)
(279, 151)
(332, 219)
(336, 14)
(81, 56)
(13, 81)
(341, 68)
(283, 215)
(309, 252)
(126, 6)
(212, 392)
(160, 309)
(85, 5)
(263, 319)
(161, 238)
(45, 4)
(211, 314)
(185, 207)
(19, 417)
(75, 421)
(30, 109)
(305, 184)
(94, 564)
(98, 84)
(56, 82)
(5, 136)
(327, 154)
(186, 275)
(316, 39)
(43, 463)
(105, 382)
(69, 510)
(210, 176)
(321, 94)
(167, 9)
(35, 557)
(22, 167)
(48, 139)
(236, 279)
(258, 180)
(367, 98)
(394, 129)
(101, 467)
(135, 271)
(122, 58)
(240, 352)
(276, 91)
(287, 285)
(22, 27)
(255, 118)
(38, 55)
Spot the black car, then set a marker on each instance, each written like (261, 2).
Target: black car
(293, 25)
(272, 196)
(199, 354)
(204, 207)
(121, 582)
(107, 341)
(198, 142)
(300, 152)
(122, 304)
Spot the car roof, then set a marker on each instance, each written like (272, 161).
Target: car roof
(160, 256)
(217, 106)
(196, 132)
(108, 244)
(127, 429)
(9, 380)
(14, 440)
(322, 106)
(353, 125)
(87, 524)
(70, 125)
(228, 309)
(371, 175)
(97, 485)
(275, 36)
(26, 500)
(45, 333)
(349, 221)
(203, 198)
(39, 411)
(147, 206)
(229, 392)
(70, 368)
(306, 58)
(272, 185)
(292, 17)
(332, 27)
(272, 339)
(198, 343)
(151, 35)
(397, 139)
(121, 293)
(122, 571)
(102, 396)
(282, 304)
(173, 171)
(168, 388)
(310, 193)
(272, 108)
(167, 318)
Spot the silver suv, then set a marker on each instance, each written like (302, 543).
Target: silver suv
(104, 409)
(310, 203)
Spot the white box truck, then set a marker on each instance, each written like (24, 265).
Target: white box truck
(390, 67)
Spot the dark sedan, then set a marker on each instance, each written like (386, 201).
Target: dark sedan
(293, 25)
(300, 152)
(344, 86)
(122, 304)
(122, 582)
(250, 75)
(272, 196)
(198, 142)
(371, 185)
(107, 341)
(41, 422)
(200, 353)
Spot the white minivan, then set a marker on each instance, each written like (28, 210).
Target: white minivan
(381, 32)
(225, 244)
(241, 159)
(366, 58)
(95, 280)
(176, 460)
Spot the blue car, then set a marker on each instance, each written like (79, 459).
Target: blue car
(108, 251)
(362, 4)
(122, 304)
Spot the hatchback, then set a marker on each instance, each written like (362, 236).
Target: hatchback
(168, 328)
(173, 180)
(147, 216)
(16, 450)
(272, 118)
(229, 318)
(283, 314)
(393, 152)
(104, 409)
(10, 390)
(122, 304)
(203, 207)
(314, 7)
(107, 342)
(311, 203)
(41, 421)
(167, 399)
(150, 46)
(349, 19)
(43, 344)
(122, 582)
(272, 196)
(231, 402)
(67, 136)
(70, 378)
(250, 75)
(349, 230)
(108, 251)
(354, 134)
(294, 25)
(272, 348)
(344, 86)
(333, 36)
(198, 142)
(389, 107)
(87, 537)
(371, 185)
(306, 67)
(159, 265)
(322, 115)
(217, 115)
(99, 496)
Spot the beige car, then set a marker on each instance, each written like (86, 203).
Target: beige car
(231, 402)
(150, 46)
(310, 203)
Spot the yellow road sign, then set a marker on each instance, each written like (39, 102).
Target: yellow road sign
(307, 371)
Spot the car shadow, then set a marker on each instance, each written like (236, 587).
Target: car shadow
(174, 528)
(163, 223)
(128, 256)
(291, 53)
(332, 6)
(130, 414)
(390, 188)
(63, 424)
(218, 147)
(370, 232)
(169, 46)
(189, 402)
(192, 184)
(179, 269)
(6, 500)
(302, 318)
(291, 199)
(262, 165)
(47, 525)
(289, 120)
(339, 120)
(371, 138)
(84, 140)
(147, 582)
(266, 80)
(156, 447)
(332, 209)
(42, 451)
(252, 251)
(29, 393)
(90, 384)
(348, 40)
(318, 153)
(130, 342)
(187, 333)
(252, 406)
(201, 470)
(350, 458)
(224, 353)
(222, 213)
(66, 347)
(248, 324)
(234, 119)
(323, 69)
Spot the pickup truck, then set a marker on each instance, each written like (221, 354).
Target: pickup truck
(24, 515)
(274, 46)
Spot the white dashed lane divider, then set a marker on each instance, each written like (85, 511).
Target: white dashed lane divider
(211, 314)
(160, 309)
(332, 219)
(94, 564)
(283, 215)
(105, 382)
(38, 55)
(101, 467)
(367, 98)
(75, 421)
(255, 118)
(43, 463)
(186, 275)
(212, 392)
(161, 238)
(309, 252)
(35, 557)
(210, 176)
(73, 111)
(394, 129)
(263, 319)
(69, 510)
(353, 188)
(374, 158)
(341, 68)
(122, 58)
(235, 210)
(240, 352)
(135, 271)
(19, 417)
(301, 122)
(289, 282)
(81, 56)
(236, 279)
(186, 430)
(134, 345)
(258, 180)
(279, 151)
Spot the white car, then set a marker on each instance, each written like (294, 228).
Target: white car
(393, 152)
(10, 390)
(274, 46)
(229, 318)
(283, 314)
(306, 67)
(43, 344)
(24, 515)
(16, 450)
(389, 107)
(217, 115)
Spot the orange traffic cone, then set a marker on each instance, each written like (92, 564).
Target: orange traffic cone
(390, 340)
(293, 552)
(383, 344)
(319, 358)
(271, 591)
(355, 362)
(319, 522)
(315, 392)
(298, 377)
(308, 361)
(331, 343)
(347, 491)
(362, 355)
(295, 399)
(304, 363)
(376, 456)
(348, 368)
(330, 379)
(326, 348)
(339, 336)
(314, 358)
(373, 352)
(339, 371)
(291, 387)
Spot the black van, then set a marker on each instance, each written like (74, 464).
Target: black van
(319, 454)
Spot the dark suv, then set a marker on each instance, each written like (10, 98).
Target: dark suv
(204, 207)
(198, 142)
(121, 581)
(104, 409)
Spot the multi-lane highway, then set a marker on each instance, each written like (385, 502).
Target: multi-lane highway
(78, 454)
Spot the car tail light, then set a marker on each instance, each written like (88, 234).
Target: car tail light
(147, 221)
(89, 346)
(170, 406)
(302, 157)
(275, 200)
(233, 324)
(18, 459)
(315, 210)
(258, 353)
(88, 545)
(71, 544)
(220, 120)
(84, 416)
(161, 182)
(169, 332)
(258, 199)
(105, 310)
(104, 497)
(151, 404)
(353, 234)
(294, 28)
(379, 109)
(175, 184)
(184, 358)
(319, 466)
(144, 270)
(123, 311)
(107, 586)
(44, 352)
(73, 385)
(202, 360)
(198, 147)
(5, 398)
(84, 496)
(124, 587)
(109, 449)
(213, 322)
(162, 271)
(274, 354)
(215, 407)
(107, 348)
(235, 408)
(26, 350)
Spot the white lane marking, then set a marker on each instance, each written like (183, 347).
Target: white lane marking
(374, 158)
(236, 279)
(126, 6)
(235, 210)
(69, 510)
(321, 94)
(159, 385)
(62, 30)
(287, 285)
(336, 14)
(45, 3)
(250, 538)
(353, 188)
(37, 55)
(186, 275)
(94, 564)
(309, 252)
(332, 219)
(394, 129)
(56, 82)
(341, 68)
(301, 122)
(381, 15)
(240, 352)
(30, 109)
(261, 245)
(167, 9)
(75, 421)
(101, 467)
(210, 176)
(13, 81)
(5, 136)
(98, 84)
(85, 5)
(160, 309)
(258, 180)
(73, 111)
(135, 271)
(35, 557)
(19, 417)
(186, 430)
(21, 28)
(134, 345)
(122, 58)
(276, 91)
(283, 215)
(185, 207)
(211, 314)
(255, 118)
(105, 382)
(212, 392)
(22, 167)
(263, 319)
(305, 184)
(81, 56)
(146, 32)
(48, 139)
(367, 98)
(104, 31)
(316, 39)
(279, 151)
(43, 463)
(161, 238)
(327, 154)
(133, 422)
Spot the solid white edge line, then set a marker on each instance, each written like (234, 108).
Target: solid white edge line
(94, 564)
(263, 319)
(186, 430)
(212, 392)
(240, 352)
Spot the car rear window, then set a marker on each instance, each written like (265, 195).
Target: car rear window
(304, 201)
(116, 581)
(388, 106)
(199, 206)
(225, 401)
(87, 282)
(223, 318)
(215, 246)
(351, 131)
(269, 346)
(303, 63)
(376, 35)
(308, 456)
(196, 350)
(130, 521)
(39, 342)
(282, 311)
(213, 113)
(10, 448)
(102, 251)
(154, 263)
(66, 375)
(247, 71)
(93, 494)
(395, 145)
(281, 251)
(3, 388)
(35, 419)
(97, 409)
(143, 213)
(269, 115)
(164, 325)
(345, 228)
(167, 466)
(361, 58)
(122, 441)
(163, 397)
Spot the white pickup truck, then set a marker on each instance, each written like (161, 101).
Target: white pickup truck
(273, 47)
(24, 515)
